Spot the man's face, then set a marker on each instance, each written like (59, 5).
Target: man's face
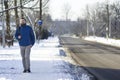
(22, 21)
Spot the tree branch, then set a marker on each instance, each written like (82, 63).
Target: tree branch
(46, 3)
(9, 9)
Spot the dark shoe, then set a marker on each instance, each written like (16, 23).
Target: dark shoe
(28, 71)
(24, 71)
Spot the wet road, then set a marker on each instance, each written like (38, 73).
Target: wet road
(100, 60)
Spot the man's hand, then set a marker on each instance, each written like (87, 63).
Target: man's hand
(19, 37)
(31, 46)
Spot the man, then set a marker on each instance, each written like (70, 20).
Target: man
(24, 34)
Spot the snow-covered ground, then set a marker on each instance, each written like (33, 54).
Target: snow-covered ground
(47, 63)
(107, 41)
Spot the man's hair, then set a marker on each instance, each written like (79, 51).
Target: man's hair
(23, 18)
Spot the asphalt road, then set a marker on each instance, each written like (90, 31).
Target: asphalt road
(100, 60)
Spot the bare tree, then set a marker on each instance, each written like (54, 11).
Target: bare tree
(95, 18)
(16, 14)
(115, 7)
(39, 7)
(66, 11)
(87, 18)
(7, 18)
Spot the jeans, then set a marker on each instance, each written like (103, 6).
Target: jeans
(25, 54)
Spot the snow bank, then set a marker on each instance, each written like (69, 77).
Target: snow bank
(107, 41)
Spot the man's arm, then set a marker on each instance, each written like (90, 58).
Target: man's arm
(17, 34)
(32, 37)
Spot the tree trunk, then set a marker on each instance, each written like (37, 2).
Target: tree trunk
(8, 36)
(21, 7)
(7, 19)
(16, 14)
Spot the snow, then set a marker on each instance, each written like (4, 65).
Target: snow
(46, 63)
(107, 41)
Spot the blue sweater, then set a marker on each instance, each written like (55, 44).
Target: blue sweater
(27, 35)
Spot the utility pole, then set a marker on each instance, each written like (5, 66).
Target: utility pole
(3, 26)
(88, 21)
(40, 17)
(108, 27)
(107, 19)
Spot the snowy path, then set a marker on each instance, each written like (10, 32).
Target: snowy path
(46, 64)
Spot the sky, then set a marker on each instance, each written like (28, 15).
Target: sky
(77, 7)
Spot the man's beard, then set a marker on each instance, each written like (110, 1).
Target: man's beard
(23, 24)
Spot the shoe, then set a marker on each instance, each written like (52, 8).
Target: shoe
(24, 71)
(28, 71)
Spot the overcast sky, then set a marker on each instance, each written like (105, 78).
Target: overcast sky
(77, 7)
